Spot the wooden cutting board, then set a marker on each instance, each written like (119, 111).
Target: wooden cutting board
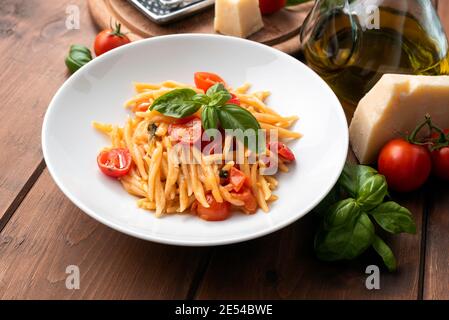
(281, 29)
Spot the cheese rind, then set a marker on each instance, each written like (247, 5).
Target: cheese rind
(239, 18)
(394, 106)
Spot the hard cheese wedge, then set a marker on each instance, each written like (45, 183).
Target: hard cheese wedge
(395, 105)
(239, 18)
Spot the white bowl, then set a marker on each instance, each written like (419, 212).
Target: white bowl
(97, 92)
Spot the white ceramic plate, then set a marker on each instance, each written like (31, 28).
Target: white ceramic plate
(98, 90)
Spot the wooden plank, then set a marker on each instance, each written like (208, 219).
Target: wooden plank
(48, 233)
(436, 277)
(33, 43)
(436, 285)
(282, 266)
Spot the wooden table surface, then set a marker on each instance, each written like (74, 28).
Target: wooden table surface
(42, 232)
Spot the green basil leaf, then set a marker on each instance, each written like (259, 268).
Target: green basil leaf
(201, 99)
(372, 192)
(78, 56)
(177, 103)
(209, 117)
(353, 176)
(218, 87)
(347, 242)
(394, 218)
(340, 214)
(385, 252)
(233, 117)
(219, 98)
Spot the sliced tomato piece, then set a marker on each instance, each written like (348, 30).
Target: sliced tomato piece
(216, 212)
(281, 149)
(114, 162)
(188, 132)
(237, 178)
(205, 80)
(248, 198)
(234, 100)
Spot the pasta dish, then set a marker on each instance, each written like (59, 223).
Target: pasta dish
(207, 149)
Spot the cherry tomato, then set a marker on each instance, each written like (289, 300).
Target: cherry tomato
(216, 212)
(114, 162)
(110, 39)
(406, 166)
(234, 100)
(284, 151)
(440, 160)
(237, 178)
(186, 132)
(248, 198)
(271, 6)
(205, 80)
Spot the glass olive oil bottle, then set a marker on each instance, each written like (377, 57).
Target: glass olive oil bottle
(351, 44)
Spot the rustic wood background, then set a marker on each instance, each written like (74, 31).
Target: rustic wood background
(42, 232)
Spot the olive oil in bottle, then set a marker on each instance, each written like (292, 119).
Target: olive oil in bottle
(352, 60)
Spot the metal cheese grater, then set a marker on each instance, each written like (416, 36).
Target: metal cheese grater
(164, 11)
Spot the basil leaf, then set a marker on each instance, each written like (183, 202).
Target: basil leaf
(353, 176)
(209, 117)
(78, 56)
(394, 218)
(201, 99)
(233, 117)
(216, 88)
(219, 98)
(385, 252)
(341, 214)
(177, 103)
(347, 242)
(372, 192)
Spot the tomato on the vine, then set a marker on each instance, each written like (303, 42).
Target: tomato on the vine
(271, 6)
(440, 155)
(405, 165)
(110, 39)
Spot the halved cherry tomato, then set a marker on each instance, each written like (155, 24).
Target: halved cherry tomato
(188, 132)
(248, 198)
(205, 80)
(271, 6)
(216, 212)
(282, 150)
(234, 100)
(405, 165)
(440, 159)
(114, 162)
(110, 39)
(237, 178)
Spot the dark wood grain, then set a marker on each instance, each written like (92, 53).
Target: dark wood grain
(48, 233)
(33, 43)
(436, 275)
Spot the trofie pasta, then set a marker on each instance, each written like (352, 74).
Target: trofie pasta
(182, 150)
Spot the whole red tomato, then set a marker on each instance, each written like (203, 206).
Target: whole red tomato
(405, 165)
(440, 159)
(271, 6)
(110, 39)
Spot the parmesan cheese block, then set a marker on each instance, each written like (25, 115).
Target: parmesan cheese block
(239, 18)
(395, 105)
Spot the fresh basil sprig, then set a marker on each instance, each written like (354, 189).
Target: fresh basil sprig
(78, 56)
(346, 230)
(181, 103)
